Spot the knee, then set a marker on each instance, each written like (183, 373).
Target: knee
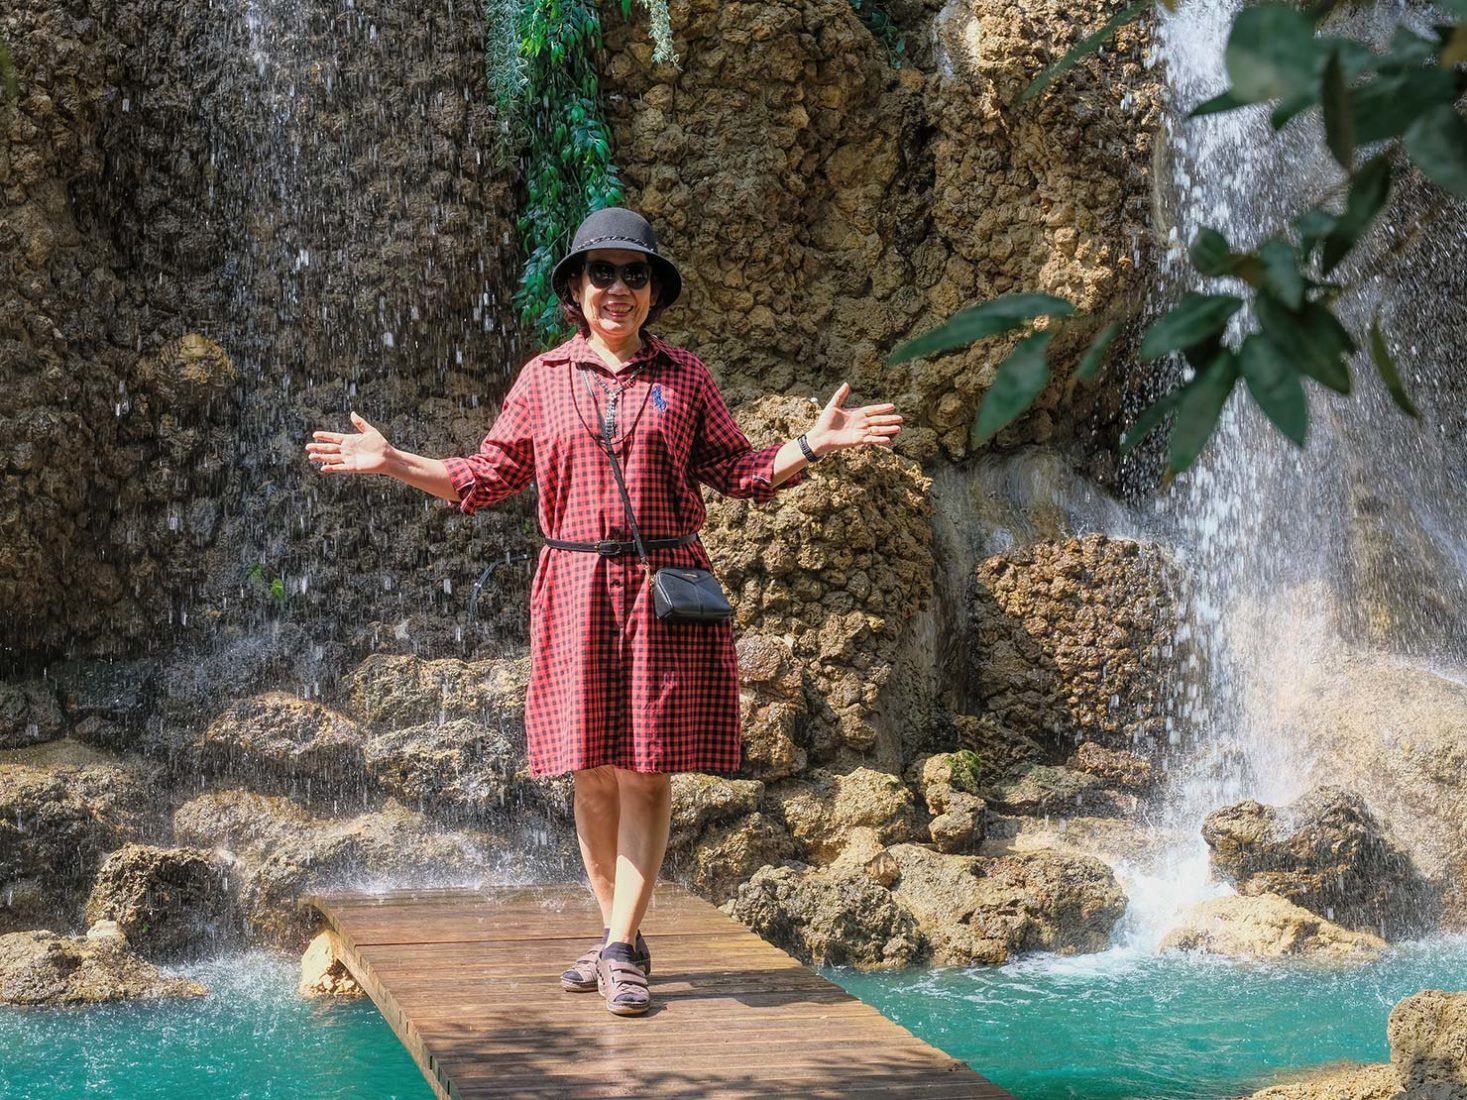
(596, 784)
(646, 787)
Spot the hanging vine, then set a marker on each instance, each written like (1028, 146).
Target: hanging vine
(540, 61)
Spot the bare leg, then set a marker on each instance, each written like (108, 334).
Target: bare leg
(597, 815)
(641, 842)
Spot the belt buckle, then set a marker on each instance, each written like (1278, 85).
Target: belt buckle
(608, 548)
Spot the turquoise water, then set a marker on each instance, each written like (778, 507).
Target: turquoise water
(1127, 1026)
(253, 1038)
(1115, 1026)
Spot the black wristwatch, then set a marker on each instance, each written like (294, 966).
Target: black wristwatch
(810, 455)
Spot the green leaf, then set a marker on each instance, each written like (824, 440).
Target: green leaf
(1290, 107)
(1369, 191)
(1087, 45)
(1313, 225)
(1281, 271)
(1201, 403)
(1311, 337)
(1409, 50)
(1437, 144)
(1002, 314)
(1210, 252)
(1385, 366)
(1095, 355)
(1275, 385)
(1189, 322)
(1454, 52)
(1271, 53)
(1217, 105)
(1147, 422)
(1020, 379)
(1391, 102)
(1339, 126)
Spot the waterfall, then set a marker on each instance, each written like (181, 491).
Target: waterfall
(1295, 557)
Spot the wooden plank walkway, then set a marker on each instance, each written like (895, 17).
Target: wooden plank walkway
(468, 979)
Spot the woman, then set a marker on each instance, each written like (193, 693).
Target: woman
(617, 696)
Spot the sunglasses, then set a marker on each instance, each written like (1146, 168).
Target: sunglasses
(635, 275)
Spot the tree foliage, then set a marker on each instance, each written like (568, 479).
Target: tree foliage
(1380, 110)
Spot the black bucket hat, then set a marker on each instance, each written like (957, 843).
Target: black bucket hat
(617, 227)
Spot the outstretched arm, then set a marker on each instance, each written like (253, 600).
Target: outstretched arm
(837, 428)
(367, 452)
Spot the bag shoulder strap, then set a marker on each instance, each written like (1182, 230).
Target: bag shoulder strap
(621, 485)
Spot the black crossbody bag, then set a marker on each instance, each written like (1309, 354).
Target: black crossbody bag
(680, 594)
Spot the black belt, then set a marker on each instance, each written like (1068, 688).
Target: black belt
(611, 548)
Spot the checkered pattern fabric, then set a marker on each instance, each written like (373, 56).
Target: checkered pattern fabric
(610, 683)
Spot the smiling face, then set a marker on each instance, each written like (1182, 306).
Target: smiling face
(616, 313)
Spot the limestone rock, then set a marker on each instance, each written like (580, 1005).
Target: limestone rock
(772, 706)
(1070, 635)
(56, 824)
(42, 968)
(729, 854)
(822, 810)
(1428, 1035)
(389, 691)
(1116, 767)
(829, 917)
(1043, 789)
(1350, 1083)
(976, 910)
(29, 714)
(459, 770)
(287, 745)
(1326, 852)
(284, 851)
(1265, 926)
(948, 783)
(699, 800)
(323, 973)
(171, 903)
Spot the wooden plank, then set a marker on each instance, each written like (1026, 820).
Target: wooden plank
(468, 979)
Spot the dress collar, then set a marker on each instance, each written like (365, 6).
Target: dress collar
(578, 350)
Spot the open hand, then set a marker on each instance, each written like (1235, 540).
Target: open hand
(363, 453)
(838, 427)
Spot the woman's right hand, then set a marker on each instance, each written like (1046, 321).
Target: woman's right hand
(363, 453)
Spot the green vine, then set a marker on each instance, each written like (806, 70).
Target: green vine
(874, 15)
(9, 85)
(540, 62)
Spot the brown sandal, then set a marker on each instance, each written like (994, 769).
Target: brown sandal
(624, 986)
(581, 977)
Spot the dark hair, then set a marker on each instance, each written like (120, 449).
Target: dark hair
(577, 316)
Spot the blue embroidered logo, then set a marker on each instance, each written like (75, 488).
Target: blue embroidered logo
(658, 401)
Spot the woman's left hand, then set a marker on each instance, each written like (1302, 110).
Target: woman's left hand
(838, 427)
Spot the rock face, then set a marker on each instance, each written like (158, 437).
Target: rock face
(835, 916)
(1428, 1034)
(388, 691)
(1070, 636)
(1265, 926)
(828, 814)
(170, 903)
(1357, 1083)
(283, 743)
(42, 968)
(55, 826)
(974, 910)
(460, 770)
(1327, 853)
(29, 714)
(771, 707)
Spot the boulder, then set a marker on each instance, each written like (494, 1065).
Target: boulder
(1265, 926)
(1344, 1083)
(1428, 1035)
(1114, 767)
(699, 800)
(287, 745)
(984, 910)
(822, 810)
(56, 824)
(171, 903)
(458, 770)
(323, 971)
(283, 852)
(391, 691)
(29, 714)
(830, 916)
(1049, 790)
(727, 855)
(948, 784)
(42, 968)
(772, 705)
(1327, 852)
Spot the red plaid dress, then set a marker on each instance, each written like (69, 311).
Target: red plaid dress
(610, 683)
